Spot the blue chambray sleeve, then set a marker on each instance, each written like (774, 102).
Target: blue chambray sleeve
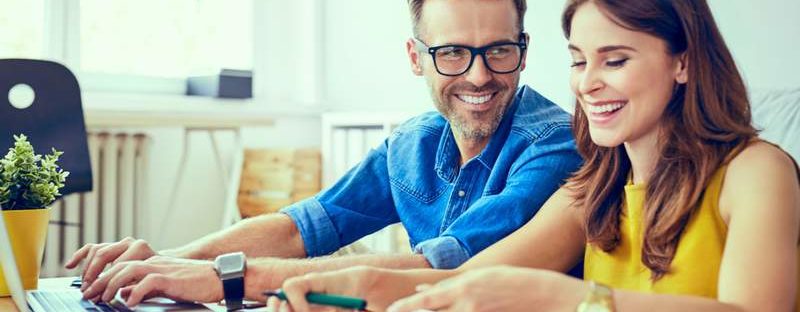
(359, 204)
(534, 176)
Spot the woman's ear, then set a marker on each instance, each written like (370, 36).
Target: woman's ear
(682, 69)
(413, 56)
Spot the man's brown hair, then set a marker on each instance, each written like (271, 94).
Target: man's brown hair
(415, 6)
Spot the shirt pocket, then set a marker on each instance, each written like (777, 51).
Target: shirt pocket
(423, 190)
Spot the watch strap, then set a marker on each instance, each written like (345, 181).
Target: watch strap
(234, 292)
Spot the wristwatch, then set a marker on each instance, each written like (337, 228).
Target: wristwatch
(600, 298)
(230, 269)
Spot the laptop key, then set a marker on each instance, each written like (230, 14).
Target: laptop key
(71, 301)
(86, 304)
(66, 301)
(102, 306)
(40, 299)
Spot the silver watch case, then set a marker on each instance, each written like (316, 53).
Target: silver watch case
(230, 265)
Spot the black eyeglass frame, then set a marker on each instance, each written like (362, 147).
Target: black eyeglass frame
(522, 44)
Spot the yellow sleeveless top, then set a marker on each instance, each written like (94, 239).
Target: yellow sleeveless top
(695, 268)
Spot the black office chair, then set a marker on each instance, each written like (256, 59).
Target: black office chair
(54, 119)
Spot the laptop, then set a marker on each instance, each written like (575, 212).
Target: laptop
(70, 299)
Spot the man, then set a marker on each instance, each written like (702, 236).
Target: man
(459, 180)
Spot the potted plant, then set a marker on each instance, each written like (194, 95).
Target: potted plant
(29, 183)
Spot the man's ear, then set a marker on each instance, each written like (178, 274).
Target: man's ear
(413, 56)
(682, 69)
(525, 53)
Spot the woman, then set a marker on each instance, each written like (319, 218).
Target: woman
(678, 205)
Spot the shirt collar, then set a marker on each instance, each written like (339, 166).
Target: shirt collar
(447, 155)
(489, 154)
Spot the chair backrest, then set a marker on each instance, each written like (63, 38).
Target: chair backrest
(54, 119)
(777, 113)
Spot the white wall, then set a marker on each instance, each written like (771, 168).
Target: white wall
(366, 66)
(548, 59)
(763, 37)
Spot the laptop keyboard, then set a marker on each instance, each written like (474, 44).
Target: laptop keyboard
(67, 301)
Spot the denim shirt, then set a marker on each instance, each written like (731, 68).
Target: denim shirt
(450, 213)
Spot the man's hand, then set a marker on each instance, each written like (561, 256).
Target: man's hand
(173, 278)
(98, 256)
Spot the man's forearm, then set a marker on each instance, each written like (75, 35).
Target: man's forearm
(272, 235)
(263, 274)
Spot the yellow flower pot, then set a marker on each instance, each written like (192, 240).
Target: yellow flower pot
(27, 230)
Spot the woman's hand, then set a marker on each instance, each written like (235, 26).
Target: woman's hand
(500, 288)
(379, 287)
(354, 282)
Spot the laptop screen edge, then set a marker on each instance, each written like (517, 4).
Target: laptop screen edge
(13, 280)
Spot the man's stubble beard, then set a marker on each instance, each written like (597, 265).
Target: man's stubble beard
(461, 124)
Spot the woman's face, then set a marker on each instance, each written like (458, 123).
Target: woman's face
(623, 79)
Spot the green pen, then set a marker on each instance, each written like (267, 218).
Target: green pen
(338, 301)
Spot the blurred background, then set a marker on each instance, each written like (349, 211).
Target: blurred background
(330, 78)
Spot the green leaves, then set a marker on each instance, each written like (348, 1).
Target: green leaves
(26, 180)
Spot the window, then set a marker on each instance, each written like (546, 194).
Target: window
(22, 24)
(176, 38)
(131, 45)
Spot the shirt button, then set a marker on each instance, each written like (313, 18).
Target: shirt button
(461, 193)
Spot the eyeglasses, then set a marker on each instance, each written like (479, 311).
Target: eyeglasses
(454, 60)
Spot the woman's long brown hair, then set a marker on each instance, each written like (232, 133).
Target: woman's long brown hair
(706, 121)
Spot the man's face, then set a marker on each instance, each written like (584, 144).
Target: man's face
(473, 102)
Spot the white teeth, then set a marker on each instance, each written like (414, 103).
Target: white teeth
(475, 99)
(597, 109)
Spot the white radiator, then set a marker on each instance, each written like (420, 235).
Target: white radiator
(108, 213)
(346, 139)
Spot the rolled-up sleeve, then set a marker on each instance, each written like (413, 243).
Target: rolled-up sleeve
(318, 233)
(443, 252)
(535, 176)
(359, 204)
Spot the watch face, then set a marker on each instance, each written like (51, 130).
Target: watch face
(230, 263)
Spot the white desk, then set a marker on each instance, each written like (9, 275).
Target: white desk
(133, 110)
